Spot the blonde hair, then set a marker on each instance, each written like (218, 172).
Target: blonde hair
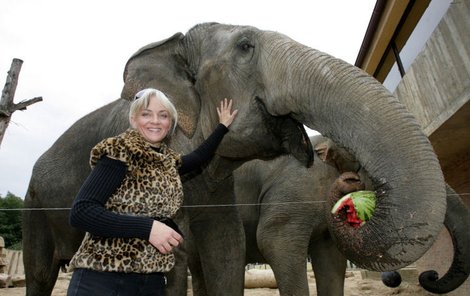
(142, 100)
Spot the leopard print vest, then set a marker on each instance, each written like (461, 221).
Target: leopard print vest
(151, 188)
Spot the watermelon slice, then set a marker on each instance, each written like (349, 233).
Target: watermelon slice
(359, 207)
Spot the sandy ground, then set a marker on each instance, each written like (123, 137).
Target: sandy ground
(354, 286)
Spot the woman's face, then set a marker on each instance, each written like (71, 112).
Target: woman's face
(152, 122)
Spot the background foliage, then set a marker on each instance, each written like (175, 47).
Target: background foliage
(10, 221)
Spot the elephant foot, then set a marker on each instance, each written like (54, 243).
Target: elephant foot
(391, 279)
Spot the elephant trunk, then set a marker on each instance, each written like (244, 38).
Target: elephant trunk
(345, 104)
(457, 222)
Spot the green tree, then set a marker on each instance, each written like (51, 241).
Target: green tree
(10, 220)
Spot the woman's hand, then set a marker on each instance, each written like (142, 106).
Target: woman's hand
(226, 116)
(164, 238)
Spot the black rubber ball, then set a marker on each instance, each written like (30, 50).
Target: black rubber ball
(391, 279)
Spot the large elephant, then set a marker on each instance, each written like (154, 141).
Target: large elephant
(277, 84)
(283, 207)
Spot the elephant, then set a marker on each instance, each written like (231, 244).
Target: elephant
(278, 85)
(288, 222)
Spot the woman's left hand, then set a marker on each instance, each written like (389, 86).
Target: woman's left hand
(164, 238)
(226, 116)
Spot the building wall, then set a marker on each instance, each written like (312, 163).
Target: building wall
(438, 83)
(437, 90)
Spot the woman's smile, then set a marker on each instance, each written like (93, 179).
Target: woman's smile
(153, 122)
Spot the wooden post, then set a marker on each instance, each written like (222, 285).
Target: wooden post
(3, 261)
(4, 277)
(7, 107)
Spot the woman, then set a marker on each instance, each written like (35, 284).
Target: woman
(127, 202)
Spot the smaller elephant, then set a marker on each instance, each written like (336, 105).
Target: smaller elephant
(282, 205)
(288, 224)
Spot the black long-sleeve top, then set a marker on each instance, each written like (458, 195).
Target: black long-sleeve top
(88, 212)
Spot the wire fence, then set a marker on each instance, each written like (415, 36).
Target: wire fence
(185, 206)
(203, 206)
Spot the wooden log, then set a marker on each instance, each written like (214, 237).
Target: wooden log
(258, 278)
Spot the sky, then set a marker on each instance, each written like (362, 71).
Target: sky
(74, 53)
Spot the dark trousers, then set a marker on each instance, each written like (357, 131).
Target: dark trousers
(86, 282)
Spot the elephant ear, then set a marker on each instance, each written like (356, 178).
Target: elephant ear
(295, 143)
(162, 65)
(322, 150)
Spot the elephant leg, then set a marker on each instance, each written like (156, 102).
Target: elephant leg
(329, 266)
(195, 267)
(283, 241)
(197, 278)
(177, 278)
(40, 265)
(220, 241)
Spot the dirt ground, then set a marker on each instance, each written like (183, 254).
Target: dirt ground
(354, 286)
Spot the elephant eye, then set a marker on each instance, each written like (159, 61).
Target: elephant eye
(245, 45)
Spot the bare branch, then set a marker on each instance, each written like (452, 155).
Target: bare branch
(23, 104)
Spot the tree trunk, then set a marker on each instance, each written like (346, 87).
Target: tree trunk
(7, 107)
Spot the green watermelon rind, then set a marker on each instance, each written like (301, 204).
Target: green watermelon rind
(336, 206)
(364, 202)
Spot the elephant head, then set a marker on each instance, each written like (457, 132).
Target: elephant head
(336, 156)
(187, 69)
(276, 83)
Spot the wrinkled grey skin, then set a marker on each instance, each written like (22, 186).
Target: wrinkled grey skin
(275, 82)
(457, 222)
